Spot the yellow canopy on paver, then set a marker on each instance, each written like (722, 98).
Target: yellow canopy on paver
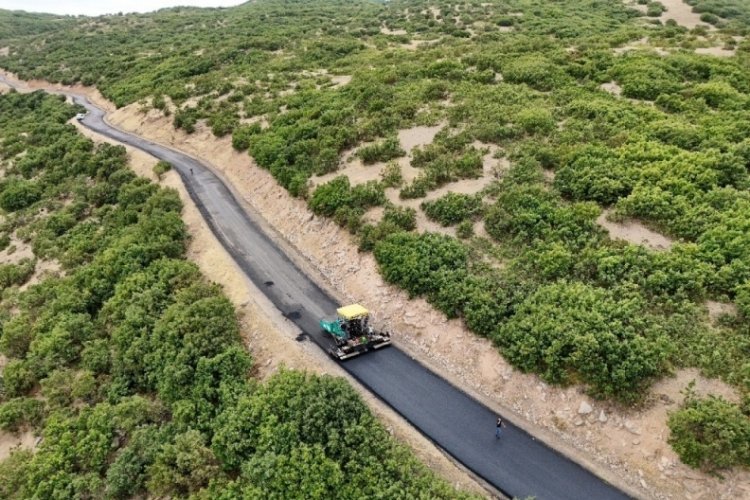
(352, 311)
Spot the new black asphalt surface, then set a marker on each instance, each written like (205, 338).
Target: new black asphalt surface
(516, 464)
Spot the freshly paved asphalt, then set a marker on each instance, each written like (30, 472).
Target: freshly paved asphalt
(516, 464)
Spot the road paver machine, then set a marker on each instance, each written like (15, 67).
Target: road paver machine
(353, 332)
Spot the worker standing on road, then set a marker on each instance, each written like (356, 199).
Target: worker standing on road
(191, 171)
(499, 427)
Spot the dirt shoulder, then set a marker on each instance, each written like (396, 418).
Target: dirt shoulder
(627, 447)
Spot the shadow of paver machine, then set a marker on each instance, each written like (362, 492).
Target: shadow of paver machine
(353, 332)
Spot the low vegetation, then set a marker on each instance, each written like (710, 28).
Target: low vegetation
(130, 364)
(589, 115)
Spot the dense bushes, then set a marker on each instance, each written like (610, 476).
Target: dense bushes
(569, 331)
(138, 361)
(344, 203)
(384, 150)
(710, 433)
(16, 194)
(678, 163)
(412, 261)
(452, 208)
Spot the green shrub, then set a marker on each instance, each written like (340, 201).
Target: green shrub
(418, 188)
(534, 70)
(17, 194)
(21, 412)
(655, 9)
(710, 18)
(16, 274)
(186, 119)
(328, 197)
(403, 217)
(161, 168)
(4, 241)
(465, 229)
(242, 135)
(412, 261)
(573, 332)
(710, 433)
(452, 208)
(391, 175)
(536, 121)
(368, 194)
(384, 150)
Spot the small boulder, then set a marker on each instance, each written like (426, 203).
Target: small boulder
(602, 417)
(631, 427)
(584, 408)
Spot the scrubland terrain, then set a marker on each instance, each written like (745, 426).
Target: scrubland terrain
(549, 202)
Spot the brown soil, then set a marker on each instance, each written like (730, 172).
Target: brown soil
(625, 446)
(340, 80)
(10, 442)
(417, 136)
(642, 44)
(682, 13)
(612, 88)
(678, 10)
(384, 30)
(718, 309)
(19, 250)
(715, 51)
(16, 251)
(4, 51)
(43, 269)
(634, 232)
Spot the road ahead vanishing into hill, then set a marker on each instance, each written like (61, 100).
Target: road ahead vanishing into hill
(517, 464)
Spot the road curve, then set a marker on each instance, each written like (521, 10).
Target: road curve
(516, 464)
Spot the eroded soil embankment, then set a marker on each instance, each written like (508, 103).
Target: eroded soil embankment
(626, 447)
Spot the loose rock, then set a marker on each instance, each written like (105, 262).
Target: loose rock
(630, 426)
(584, 408)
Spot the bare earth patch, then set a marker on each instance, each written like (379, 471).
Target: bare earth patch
(10, 442)
(612, 88)
(715, 51)
(682, 13)
(415, 44)
(719, 309)
(417, 136)
(43, 269)
(384, 30)
(340, 80)
(609, 440)
(4, 51)
(16, 251)
(641, 44)
(634, 232)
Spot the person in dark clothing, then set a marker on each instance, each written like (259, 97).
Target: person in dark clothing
(499, 427)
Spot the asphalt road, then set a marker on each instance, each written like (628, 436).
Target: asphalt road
(516, 464)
